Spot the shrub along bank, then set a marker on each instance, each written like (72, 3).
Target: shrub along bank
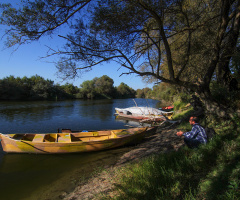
(37, 88)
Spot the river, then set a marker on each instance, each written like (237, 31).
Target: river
(30, 176)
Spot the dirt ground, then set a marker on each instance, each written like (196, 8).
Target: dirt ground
(162, 140)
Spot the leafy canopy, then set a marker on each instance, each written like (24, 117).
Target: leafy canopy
(181, 42)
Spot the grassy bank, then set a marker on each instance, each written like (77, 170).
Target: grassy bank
(210, 172)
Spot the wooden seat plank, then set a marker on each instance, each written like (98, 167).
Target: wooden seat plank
(64, 138)
(38, 138)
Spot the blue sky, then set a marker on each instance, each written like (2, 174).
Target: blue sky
(25, 61)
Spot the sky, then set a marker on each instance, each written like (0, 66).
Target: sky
(26, 61)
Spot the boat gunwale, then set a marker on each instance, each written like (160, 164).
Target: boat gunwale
(74, 142)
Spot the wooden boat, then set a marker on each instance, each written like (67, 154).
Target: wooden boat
(143, 113)
(70, 142)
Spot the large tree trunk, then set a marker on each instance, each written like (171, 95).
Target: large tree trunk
(210, 105)
(228, 46)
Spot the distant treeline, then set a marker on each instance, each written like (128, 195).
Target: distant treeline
(162, 91)
(38, 88)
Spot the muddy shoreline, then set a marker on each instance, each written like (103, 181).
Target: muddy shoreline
(161, 141)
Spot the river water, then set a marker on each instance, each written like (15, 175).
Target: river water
(30, 176)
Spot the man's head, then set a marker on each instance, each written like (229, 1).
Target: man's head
(193, 120)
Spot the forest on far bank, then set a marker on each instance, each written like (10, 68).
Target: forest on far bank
(38, 88)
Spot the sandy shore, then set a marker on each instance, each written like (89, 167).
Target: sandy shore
(161, 141)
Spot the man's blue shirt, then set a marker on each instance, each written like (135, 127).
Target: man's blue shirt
(198, 133)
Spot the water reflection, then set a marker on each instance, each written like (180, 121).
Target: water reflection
(130, 122)
(33, 111)
(48, 116)
(99, 109)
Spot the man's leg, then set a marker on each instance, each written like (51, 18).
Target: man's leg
(191, 143)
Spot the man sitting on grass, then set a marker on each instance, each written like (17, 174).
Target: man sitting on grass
(196, 136)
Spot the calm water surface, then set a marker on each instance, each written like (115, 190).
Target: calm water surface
(27, 176)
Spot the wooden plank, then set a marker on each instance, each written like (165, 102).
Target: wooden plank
(100, 133)
(86, 134)
(64, 138)
(38, 138)
(98, 138)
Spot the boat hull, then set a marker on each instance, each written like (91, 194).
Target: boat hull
(140, 117)
(11, 145)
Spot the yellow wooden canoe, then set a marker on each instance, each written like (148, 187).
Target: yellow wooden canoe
(70, 142)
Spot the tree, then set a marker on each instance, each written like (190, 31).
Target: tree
(104, 86)
(10, 88)
(187, 43)
(124, 91)
(144, 93)
(70, 89)
(25, 88)
(140, 93)
(87, 89)
(41, 88)
(165, 92)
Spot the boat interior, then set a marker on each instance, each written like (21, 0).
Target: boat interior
(72, 137)
(63, 137)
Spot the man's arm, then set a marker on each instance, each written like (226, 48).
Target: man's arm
(191, 134)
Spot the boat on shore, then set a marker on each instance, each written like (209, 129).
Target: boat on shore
(70, 141)
(143, 113)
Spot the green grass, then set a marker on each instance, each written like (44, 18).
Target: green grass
(210, 172)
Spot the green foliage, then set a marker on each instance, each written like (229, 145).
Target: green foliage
(34, 87)
(87, 89)
(37, 88)
(209, 172)
(144, 93)
(104, 85)
(164, 91)
(167, 93)
(140, 93)
(180, 101)
(103, 88)
(182, 114)
(222, 94)
(184, 43)
(70, 89)
(124, 91)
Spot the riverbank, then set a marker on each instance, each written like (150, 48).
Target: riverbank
(163, 140)
(146, 172)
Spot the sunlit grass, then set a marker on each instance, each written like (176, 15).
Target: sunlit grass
(179, 115)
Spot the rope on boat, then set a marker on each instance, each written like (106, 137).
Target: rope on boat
(138, 107)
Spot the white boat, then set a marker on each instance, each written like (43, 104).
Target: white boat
(139, 111)
(142, 112)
